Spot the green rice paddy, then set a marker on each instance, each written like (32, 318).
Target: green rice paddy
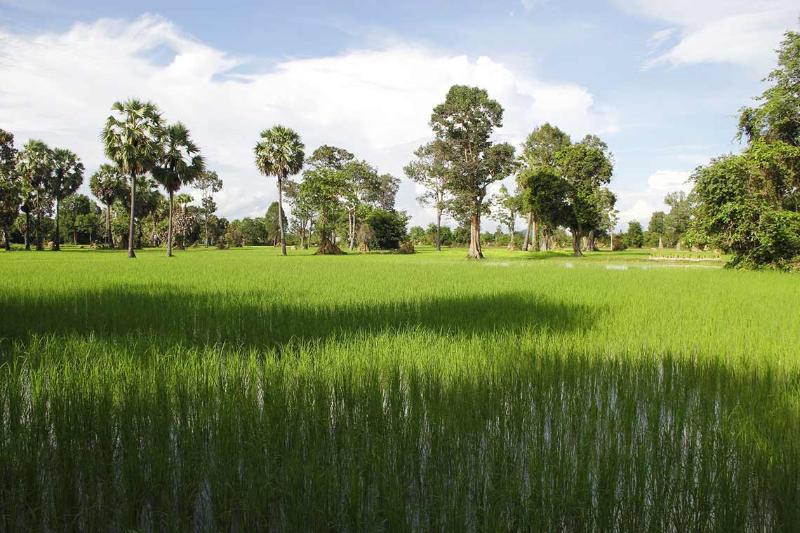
(239, 390)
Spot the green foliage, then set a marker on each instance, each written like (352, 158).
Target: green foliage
(271, 225)
(107, 184)
(81, 219)
(356, 394)
(544, 194)
(10, 186)
(748, 204)
(777, 117)
(634, 238)
(463, 126)
(676, 222)
(388, 228)
(132, 140)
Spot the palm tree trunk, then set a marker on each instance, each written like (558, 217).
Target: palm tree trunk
(131, 253)
(39, 236)
(57, 236)
(280, 215)
(109, 238)
(169, 227)
(28, 230)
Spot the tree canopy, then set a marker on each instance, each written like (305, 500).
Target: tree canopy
(462, 126)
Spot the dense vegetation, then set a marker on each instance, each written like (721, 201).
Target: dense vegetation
(239, 389)
(250, 388)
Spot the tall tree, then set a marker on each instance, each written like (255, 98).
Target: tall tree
(359, 176)
(656, 227)
(586, 167)
(180, 164)
(462, 127)
(132, 140)
(209, 183)
(366, 189)
(544, 196)
(10, 186)
(280, 153)
(506, 209)
(35, 165)
(539, 154)
(777, 117)
(323, 188)
(107, 185)
(302, 212)
(634, 238)
(272, 225)
(677, 220)
(79, 215)
(65, 178)
(429, 171)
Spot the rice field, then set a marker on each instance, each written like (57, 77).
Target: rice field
(238, 390)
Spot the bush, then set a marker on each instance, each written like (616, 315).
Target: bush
(407, 248)
(389, 228)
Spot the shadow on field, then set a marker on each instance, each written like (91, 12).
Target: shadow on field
(253, 320)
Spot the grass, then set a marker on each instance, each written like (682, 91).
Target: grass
(238, 390)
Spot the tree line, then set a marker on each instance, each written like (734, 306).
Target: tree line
(746, 204)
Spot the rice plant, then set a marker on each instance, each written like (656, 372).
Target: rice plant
(236, 390)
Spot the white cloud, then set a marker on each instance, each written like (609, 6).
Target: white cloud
(639, 205)
(377, 103)
(744, 32)
(530, 5)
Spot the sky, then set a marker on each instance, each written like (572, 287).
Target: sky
(659, 80)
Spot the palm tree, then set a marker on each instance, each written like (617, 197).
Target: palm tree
(133, 141)
(280, 153)
(180, 164)
(35, 165)
(107, 184)
(66, 177)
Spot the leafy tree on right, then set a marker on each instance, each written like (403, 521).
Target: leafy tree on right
(749, 204)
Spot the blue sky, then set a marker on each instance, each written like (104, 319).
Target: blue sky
(659, 80)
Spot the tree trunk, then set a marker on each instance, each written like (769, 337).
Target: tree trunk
(280, 215)
(169, 227)
(57, 236)
(109, 238)
(327, 246)
(438, 229)
(576, 242)
(207, 215)
(590, 243)
(660, 243)
(612, 241)
(535, 242)
(131, 253)
(7, 239)
(39, 236)
(475, 251)
(27, 230)
(526, 243)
